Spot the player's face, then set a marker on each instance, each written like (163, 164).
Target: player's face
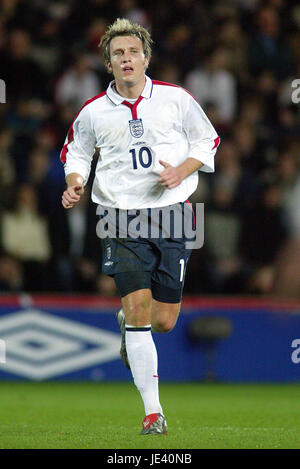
(127, 60)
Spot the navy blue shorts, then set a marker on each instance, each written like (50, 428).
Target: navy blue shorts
(157, 263)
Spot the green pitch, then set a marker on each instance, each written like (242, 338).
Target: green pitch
(100, 415)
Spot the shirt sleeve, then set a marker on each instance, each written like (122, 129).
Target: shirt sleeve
(79, 147)
(202, 137)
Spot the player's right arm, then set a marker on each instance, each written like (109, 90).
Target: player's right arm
(74, 190)
(76, 156)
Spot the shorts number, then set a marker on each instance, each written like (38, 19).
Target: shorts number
(181, 262)
(144, 157)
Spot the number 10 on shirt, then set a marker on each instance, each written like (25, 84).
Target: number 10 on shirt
(144, 157)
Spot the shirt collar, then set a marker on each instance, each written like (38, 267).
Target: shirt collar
(118, 99)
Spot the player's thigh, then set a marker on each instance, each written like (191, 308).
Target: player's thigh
(121, 255)
(164, 315)
(167, 280)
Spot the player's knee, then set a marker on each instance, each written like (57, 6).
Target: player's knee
(139, 308)
(138, 312)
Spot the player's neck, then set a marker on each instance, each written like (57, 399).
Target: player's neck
(131, 92)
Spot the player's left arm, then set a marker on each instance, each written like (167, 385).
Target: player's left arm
(203, 143)
(173, 176)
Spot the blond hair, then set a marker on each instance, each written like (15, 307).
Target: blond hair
(124, 27)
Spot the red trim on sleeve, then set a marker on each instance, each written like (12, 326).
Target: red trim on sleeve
(63, 154)
(217, 143)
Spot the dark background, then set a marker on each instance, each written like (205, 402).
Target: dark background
(238, 58)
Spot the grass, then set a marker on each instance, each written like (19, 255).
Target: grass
(101, 415)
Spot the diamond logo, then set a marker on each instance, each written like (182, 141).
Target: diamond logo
(40, 346)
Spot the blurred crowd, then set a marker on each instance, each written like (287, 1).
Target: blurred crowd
(237, 57)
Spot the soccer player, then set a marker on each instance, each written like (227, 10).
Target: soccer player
(153, 138)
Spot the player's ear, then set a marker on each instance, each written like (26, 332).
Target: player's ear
(146, 63)
(109, 67)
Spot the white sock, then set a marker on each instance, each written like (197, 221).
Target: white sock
(142, 357)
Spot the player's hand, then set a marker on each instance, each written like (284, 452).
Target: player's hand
(170, 176)
(72, 195)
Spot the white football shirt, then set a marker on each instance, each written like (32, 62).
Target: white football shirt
(165, 123)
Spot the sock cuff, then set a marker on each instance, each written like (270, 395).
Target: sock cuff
(138, 328)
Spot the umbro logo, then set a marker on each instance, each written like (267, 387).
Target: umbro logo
(40, 345)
